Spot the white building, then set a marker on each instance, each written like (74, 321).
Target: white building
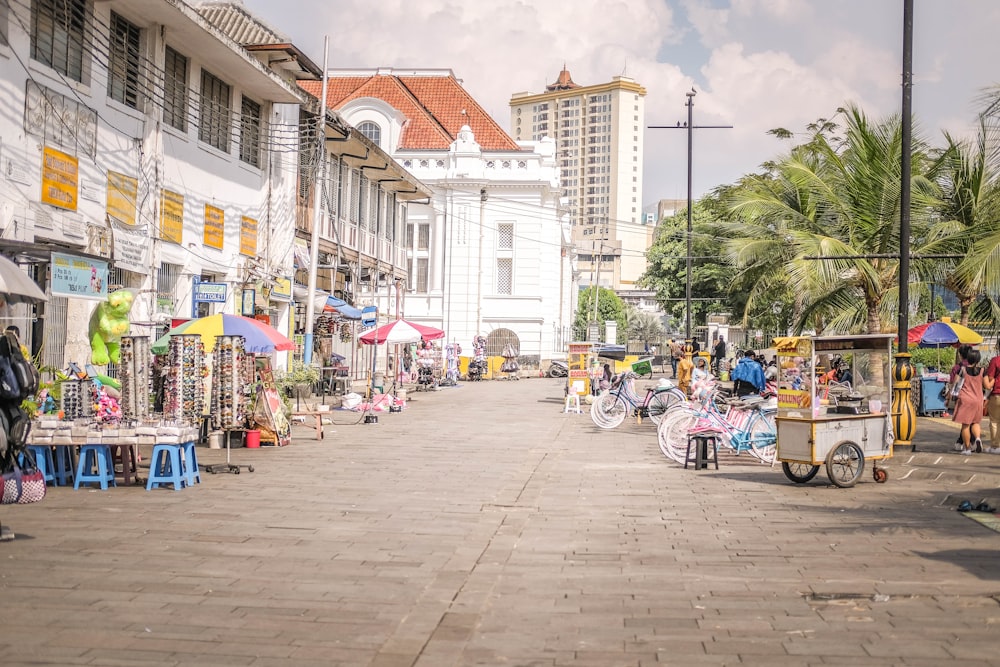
(598, 132)
(145, 145)
(489, 252)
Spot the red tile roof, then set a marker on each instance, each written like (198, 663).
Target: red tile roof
(432, 105)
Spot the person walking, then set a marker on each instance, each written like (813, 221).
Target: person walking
(718, 355)
(993, 403)
(676, 352)
(969, 406)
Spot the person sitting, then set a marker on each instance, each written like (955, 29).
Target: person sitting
(748, 376)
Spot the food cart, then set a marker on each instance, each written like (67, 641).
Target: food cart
(834, 394)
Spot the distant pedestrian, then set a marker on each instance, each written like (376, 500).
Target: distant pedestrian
(718, 355)
(676, 352)
(993, 403)
(969, 406)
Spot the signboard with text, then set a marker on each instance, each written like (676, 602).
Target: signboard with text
(215, 227)
(79, 277)
(122, 192)
(171, 216)
(248, 236)
(60, 179)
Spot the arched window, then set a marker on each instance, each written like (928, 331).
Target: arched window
(372, 131)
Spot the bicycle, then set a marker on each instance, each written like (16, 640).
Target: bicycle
(746, 426)
(610, 408)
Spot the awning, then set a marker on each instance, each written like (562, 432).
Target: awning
(346, 311)
(320, 297)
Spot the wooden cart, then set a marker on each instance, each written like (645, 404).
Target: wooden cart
(834, 394)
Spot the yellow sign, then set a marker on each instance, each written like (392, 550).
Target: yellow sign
(282, 289)
(60, 179)
(122, 193)
(215, 226)
(171, 216)
(248, 236)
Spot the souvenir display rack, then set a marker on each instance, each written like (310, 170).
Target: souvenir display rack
(133, 373)
(184, 390)
(229, 380)
(77, 399)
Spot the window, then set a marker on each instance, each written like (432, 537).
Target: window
(422, 275)
(214, 117)
(58, 33)
(424, 237)
(505, 275)
(123, 62)
(175, 90)
(371, 131)
(250, 132)
(409, 236)
(505, 236)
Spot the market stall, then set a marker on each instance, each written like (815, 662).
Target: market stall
(839, 423)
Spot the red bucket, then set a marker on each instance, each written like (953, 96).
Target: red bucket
(253, 439)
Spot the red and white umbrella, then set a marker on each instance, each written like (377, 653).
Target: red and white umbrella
(399, 332)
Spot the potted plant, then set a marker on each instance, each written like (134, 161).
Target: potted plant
(298, 380)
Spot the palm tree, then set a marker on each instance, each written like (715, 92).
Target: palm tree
(825, 221)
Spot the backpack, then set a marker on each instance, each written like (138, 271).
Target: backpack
(10, 390)
(24, 371)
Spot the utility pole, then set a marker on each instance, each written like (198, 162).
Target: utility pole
(689, 126)
(319, 176)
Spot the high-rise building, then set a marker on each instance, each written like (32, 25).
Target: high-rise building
(598, 132)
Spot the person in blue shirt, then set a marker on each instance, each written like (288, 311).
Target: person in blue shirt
(748, 376)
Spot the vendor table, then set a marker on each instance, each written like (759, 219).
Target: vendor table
(319, 421)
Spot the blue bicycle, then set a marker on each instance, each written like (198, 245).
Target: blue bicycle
(612, 406)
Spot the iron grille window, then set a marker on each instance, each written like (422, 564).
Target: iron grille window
(505, 236)
(250, 132)
(409, 236)
(175, 90)
(422, 275)
(505, 275)
(215, 119)
(58, 35)
(424, 237)
(123, 62)
(307, 151)
(54, 343)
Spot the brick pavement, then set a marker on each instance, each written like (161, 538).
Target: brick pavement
(484, 527)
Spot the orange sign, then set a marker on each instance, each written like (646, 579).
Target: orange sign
(122, 191)
(215, 226)
(171, 216)
(60, 179)
(248, 236)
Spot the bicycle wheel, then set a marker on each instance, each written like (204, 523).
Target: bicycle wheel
(612, 409)
(597, 414)
(844, 464)
(764, 438)
(672, 433)
(663, 402)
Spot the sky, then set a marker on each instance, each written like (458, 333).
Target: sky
(754, 64)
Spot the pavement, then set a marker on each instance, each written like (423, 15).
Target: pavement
(485, 526)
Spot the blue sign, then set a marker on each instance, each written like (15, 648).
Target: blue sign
(79, 277)
(211, 292)
(369, 315)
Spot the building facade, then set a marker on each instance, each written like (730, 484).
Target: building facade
(598, 134)
(489, 251)
(142, 148)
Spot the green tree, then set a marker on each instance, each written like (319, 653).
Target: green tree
(835, 198)
(643, 326)
(609, 307)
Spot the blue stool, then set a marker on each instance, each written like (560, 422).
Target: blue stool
(191, 473)
(43, 461)
(165, 467)
(64, 466)
(95, 457)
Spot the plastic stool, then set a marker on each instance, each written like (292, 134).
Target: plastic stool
(64, 466)
(165, 467)
(43, 461)
(573, 403)
(91, 457)
(191, 474)
(701, 443)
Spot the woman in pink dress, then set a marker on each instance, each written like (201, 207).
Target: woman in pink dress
(969, 407)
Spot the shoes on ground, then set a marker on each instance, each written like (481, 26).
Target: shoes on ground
(993, 450)
(965, 506)
(979, 446)
(958, 447)
(966, 452)
(985, 507)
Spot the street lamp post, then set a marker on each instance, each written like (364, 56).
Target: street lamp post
(903, 416)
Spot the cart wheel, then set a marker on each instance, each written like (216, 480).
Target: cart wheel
(800, 473)
(880, 475)
(250, 468)
(844, 464)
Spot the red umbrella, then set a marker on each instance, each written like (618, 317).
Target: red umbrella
(400, 331)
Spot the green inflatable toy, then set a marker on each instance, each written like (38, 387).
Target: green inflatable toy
(108, 323)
